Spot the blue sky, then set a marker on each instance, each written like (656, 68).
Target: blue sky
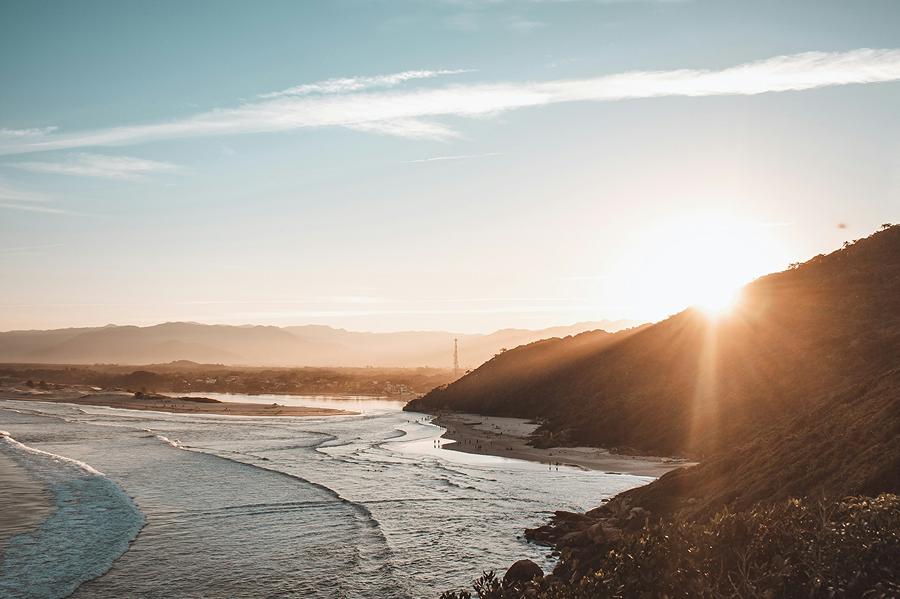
(465, 165)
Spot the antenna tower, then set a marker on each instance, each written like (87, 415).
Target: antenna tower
(455, 358)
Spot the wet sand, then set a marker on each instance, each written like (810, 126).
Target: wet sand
(508, 437)
(24, 502)
(157, 403)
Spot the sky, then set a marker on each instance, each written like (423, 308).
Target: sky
(462, 165)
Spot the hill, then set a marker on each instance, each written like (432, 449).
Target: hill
(265, 345)
(510, 384)
(796, 392)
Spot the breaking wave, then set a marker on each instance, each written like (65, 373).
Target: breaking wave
(93, 523)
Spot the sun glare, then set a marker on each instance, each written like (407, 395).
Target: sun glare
(702, 261)
(718, 301)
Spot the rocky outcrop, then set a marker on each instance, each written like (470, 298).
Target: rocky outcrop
(522, 571)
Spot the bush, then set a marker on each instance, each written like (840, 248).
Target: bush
(794, 549)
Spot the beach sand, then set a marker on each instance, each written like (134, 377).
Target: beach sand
(508, 437)
(24, 502)
(158, 403)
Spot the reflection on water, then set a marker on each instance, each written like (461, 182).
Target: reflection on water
(355, 403)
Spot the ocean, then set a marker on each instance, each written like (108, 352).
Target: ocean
(151, 504)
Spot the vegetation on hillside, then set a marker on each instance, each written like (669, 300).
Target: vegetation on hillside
(792, 549)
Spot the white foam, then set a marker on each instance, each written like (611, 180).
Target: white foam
(5, 437)
(176, 444)
(93, 525)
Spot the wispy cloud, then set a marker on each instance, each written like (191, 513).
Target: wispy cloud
(464, 21)
(12, 198)
(34, 208)
(14, 194)
(345, 85)
(20, 133)
(409, 128)
(523, 25)
(99, 165)
(414, 113)
(457, 157)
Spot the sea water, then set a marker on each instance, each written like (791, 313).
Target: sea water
(164, 505)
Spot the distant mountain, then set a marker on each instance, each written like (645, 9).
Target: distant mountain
(309, 345)
(797, 392)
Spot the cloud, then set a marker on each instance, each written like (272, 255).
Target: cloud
(355, 84)
(466, 22)
(33, 208)
(522, 25)
(12, 194)
(12, 198)
(19, 133)
(99, 165)
(457, 157)
(415, 113)
(409, 128)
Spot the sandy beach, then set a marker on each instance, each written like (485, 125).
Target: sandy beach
(161, 403)
(24, 502)
(508, 437)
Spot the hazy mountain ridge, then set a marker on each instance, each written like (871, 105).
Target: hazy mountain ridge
(257, 345)
(797, 392)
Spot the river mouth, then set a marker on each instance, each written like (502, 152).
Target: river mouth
(349, 506)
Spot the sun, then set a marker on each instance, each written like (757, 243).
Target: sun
(718, 301)
(700, 261)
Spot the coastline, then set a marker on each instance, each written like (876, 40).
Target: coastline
(25, 502)
(508, 437)
(162, 403)
(63, 511)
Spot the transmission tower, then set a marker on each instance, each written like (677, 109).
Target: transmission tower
(455, 358)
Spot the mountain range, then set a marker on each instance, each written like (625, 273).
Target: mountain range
(309, 345)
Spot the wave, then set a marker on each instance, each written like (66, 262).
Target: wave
(382, 553)
(7, 438)
(362, 509)
(174, 443)
(217, 453)
(93, 524)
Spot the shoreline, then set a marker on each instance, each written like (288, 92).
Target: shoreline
(41, 552)
(25, 502)
(172, 405)
(508, 438)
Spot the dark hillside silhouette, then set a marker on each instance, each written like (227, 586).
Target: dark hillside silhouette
(509, 383)
(796, 392)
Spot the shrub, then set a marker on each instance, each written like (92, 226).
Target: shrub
(793, 549)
